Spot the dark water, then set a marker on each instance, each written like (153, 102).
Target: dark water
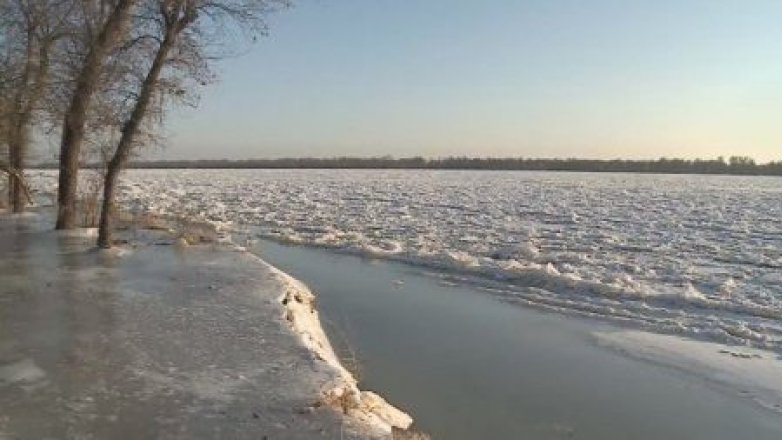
(467, 366)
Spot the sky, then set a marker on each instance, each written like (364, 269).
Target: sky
(546, 78)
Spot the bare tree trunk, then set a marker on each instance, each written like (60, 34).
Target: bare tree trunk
(20, 137)
(20, 119)
(12, 173)
(107, 207)
(75, 116)
(129, 131)
(17, 146)
(17, 196)
(11, 179)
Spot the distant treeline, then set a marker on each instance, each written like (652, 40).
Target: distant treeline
(734, 165)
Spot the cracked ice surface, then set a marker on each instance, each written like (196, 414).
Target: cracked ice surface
(699, 256)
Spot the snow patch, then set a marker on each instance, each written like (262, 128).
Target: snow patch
(21, 372)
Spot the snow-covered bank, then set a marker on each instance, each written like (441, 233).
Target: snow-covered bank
(751, 373)
(165, 341)
(302, 315)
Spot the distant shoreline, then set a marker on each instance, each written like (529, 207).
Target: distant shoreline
(743, 166)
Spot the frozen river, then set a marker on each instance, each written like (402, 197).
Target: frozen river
(699, 256)
(468, 367)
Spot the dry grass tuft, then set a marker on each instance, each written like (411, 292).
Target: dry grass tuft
(197, 232)
(191, 232)
(147, 221)
(408, 434)
(349, 359)
(89, 199)
(345, 350)
(343, 398)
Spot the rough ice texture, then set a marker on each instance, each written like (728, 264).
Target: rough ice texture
(699, 256)
(163, 341)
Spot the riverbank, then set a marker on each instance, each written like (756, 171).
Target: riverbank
(469, 365)
(158, 339)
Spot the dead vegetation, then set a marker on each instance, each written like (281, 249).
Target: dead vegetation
(19, 178)
(195, 232)
(3, 195)
(178, 229)
(88, 201)
(346, 352)
(343, 398)
(408, 434)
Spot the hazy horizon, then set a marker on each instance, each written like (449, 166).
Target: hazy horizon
(501, 78)
(156, 155)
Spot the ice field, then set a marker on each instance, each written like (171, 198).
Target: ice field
(698, 256)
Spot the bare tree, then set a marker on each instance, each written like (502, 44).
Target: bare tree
(4, 92)
(30, 29)
(101, 41)
(3, 125)
(178, 35)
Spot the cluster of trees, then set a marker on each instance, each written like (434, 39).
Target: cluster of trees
(99, 75)
(734, 165)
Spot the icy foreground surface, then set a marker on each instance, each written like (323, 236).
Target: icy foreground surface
(699, 256)
(164, 342)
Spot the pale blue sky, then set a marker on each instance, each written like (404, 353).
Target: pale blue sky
(546, 78)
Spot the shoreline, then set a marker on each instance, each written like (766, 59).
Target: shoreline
(767, 169)
(303, 318)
